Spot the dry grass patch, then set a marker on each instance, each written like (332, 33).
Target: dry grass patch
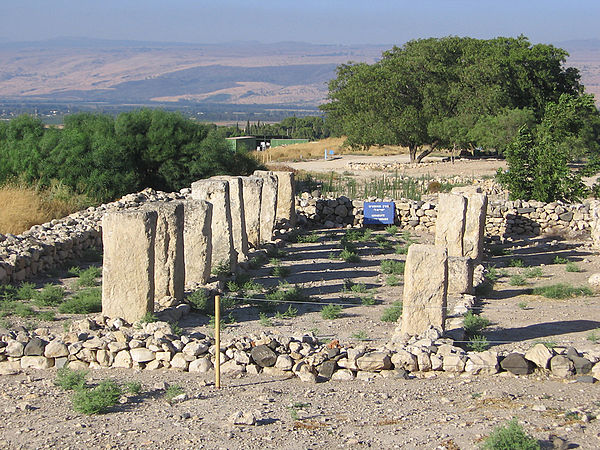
(22, 206)
(316, 150)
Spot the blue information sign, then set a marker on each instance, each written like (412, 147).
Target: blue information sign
(379, 213)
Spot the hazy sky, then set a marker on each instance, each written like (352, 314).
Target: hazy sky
(316, 21)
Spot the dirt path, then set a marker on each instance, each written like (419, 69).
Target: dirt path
(465, 167)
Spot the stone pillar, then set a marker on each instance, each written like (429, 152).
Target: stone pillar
(450, 223)
(128, 268)
(252, 191)
(460, 275)
(268, 205)
(169, 266)
(238, 218)
(474, 220)
(217, 193)
(425, 289)
(286, 197)
(595, 213)
(197, 240)
(475, 225)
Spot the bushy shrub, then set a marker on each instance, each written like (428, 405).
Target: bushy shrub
(84, 302)
(97, 400)
(510, 437)
(70, 380)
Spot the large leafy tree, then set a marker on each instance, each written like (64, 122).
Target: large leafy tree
(432, 93)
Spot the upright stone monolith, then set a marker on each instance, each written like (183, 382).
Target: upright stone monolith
(169, 265)
(268, 205)
(595, 213)
(450, 223)
(425, 289)
(460, 275)
(286, 197)
(238, 217)
(474, 225)
(217, 193)
(197, 240)
(128, 238)
(252, 191)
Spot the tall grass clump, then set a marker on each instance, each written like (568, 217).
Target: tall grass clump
(97, 400)
(22, 206)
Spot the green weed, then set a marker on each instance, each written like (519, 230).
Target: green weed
(26, 291)
(331, 312)
(367, 300)
(572, 267)
(133, 387)
(222, 269)
(97, 400)
(87, 277)
(392, 313)
(173, 391)
(522, 305)
(349, 256)
(478, 343)
(510, 436)
(517, 280)
(594, 336)
(561, 291)
(84, 302)
(474, 323)
(199, 301)
(50, 295)
(533, 272)
(70, 380)
(289, 313)
(391, 229)
(559, 260)
(264, 320)
(309, 238)
(516, 262)
(360, 335)
(391, 266)
(392, 280)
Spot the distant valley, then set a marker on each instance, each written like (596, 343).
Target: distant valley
(146, 73)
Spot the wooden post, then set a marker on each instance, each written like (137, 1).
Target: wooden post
(217, 341)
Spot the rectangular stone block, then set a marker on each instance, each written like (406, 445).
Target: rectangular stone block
(450, 223)
(169, 266)
(425, 289)
(197, 241)
(460, 275)
(217, 193)
(238, 218)
(128, 267)
(268, 205)
(286, 197)
(474, 225)
(252, 191)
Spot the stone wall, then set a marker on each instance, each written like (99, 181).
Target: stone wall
(504, 218)
(103, 343)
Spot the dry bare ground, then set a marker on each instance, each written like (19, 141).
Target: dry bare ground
(432, 410)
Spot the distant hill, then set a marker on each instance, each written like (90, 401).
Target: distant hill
(69, 69)
(236, 73)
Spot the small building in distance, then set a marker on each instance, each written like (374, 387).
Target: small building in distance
(248, 143)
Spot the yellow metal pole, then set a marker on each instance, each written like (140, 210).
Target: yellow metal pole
(217, 341)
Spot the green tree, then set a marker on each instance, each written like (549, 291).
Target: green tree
(538, 161)
(448, 92)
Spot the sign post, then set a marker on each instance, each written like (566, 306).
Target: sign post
(217, 341)
(379, 213)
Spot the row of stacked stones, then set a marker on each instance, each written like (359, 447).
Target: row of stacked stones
(505, 218)
(103, 342)
(151, 252)
(434, 271)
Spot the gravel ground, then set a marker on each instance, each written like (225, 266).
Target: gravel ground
(432, 410)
